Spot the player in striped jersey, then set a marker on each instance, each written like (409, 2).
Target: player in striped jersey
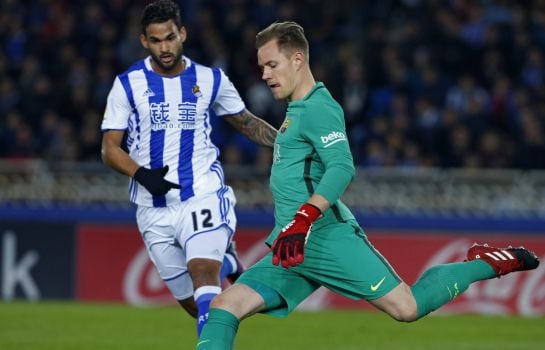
(185, 211)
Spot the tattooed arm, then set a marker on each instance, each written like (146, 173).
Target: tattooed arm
(254, 128)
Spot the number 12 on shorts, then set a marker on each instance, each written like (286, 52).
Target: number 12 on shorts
(202, 220)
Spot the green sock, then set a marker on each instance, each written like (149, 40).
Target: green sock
(219, 332)
(442, 283)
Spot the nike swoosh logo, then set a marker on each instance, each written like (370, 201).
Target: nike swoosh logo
(202, 342)
(376, 286)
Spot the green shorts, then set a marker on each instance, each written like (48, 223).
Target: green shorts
(338, 257)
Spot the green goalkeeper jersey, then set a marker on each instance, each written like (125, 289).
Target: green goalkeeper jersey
(311, 155)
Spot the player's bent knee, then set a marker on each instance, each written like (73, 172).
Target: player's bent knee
(239, 300)
(404, 309)
(405, 313)
(227, 303)
(399, 304)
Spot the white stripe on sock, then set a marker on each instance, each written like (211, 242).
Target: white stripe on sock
(206, 290)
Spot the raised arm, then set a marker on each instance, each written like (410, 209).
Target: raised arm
(254, 128)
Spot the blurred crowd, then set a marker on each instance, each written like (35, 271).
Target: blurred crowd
(446, 83)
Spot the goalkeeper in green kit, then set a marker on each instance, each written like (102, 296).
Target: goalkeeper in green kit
(316, 241)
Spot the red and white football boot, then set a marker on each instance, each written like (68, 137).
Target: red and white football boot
(504, 260)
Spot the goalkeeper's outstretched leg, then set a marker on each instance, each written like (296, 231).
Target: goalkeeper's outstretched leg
(442, 283)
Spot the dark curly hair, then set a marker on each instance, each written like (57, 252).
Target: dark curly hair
(160, 11)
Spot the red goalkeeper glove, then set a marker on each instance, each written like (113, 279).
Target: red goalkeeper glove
(289, 247)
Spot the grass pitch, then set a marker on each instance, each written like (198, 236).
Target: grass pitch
(60, 326)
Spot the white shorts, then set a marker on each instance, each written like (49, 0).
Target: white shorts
(196, 228)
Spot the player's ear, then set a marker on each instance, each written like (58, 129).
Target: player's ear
(183, 33)
(298, 60)
(144, 41)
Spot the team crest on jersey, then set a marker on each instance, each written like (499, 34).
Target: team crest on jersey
(285, 125)
(197, 91)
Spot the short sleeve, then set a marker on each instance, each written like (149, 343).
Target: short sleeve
(227, 101)
(118, 108)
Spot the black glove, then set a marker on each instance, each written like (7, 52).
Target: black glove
(154, 180)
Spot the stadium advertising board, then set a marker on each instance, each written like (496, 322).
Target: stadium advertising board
(37, 261)
(113, 266)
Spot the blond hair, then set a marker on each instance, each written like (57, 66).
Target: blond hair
(289, 37)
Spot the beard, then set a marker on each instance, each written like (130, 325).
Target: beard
(177, 57)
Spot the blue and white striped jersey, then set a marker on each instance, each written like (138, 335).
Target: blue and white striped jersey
(168, 123)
